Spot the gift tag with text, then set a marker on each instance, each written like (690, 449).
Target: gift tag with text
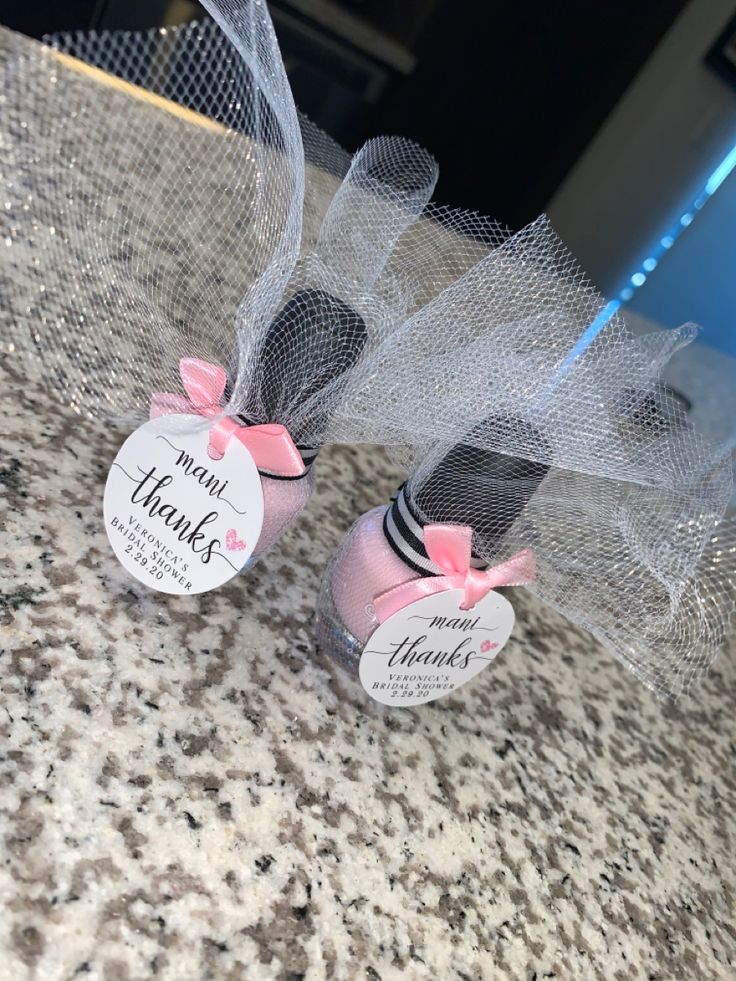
(431, 647)
(178, 520)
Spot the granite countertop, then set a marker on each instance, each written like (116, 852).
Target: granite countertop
(188, 791)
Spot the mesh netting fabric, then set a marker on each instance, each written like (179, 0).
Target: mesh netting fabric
(518, 409)
(124, 275)
(164, 199)
(160, 188)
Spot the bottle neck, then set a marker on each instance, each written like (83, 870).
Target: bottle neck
(307, 453)
(404, 531)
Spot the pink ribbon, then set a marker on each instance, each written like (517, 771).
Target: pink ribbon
(270, 445)
(449, 547)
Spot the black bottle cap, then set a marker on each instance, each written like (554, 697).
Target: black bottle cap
(314, 339)
(482, 488)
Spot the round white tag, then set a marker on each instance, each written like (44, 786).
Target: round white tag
(178, 520)
(431, 647)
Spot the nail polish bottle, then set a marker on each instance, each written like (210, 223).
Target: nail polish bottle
(384, 548)
(311, 342)
(317, 337)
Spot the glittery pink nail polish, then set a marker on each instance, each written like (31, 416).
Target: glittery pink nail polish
(282, 502)
(385, 547)
(365, 566)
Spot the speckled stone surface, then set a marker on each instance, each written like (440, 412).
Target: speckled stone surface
(188, 791)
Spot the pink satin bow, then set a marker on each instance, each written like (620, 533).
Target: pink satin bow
(270, 445)
(449, 547)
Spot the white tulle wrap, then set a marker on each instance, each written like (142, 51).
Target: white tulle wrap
(165, 199)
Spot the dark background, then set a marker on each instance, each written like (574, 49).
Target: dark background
(505, 95)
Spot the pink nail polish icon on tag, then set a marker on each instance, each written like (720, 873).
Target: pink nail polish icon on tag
(233, 543)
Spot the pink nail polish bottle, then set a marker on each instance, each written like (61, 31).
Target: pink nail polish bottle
(312, 341)
(364, 566)
(385, 548)
(317, 337)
